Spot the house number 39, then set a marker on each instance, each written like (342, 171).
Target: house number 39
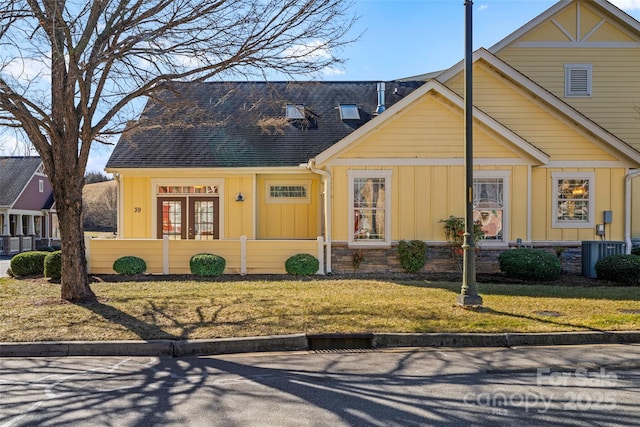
(137, 210)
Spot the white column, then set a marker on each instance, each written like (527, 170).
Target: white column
(5, 224)
(243, 255)
(87, 252)
(321, 255)
(19, 225)
(31, 226)
(165, 254)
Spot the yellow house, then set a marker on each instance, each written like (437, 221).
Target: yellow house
(257, 172)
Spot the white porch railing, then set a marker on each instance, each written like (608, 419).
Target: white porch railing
(242, 256)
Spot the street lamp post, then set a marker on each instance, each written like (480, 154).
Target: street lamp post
(469, 293)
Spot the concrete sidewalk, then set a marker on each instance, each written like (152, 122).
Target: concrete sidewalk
(304, 342)
(5, 262)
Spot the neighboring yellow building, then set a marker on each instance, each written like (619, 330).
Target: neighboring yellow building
(258, 172)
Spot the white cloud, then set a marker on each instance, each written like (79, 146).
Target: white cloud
(310, 51)
(27, 69)
(332, 71)
(627, 4)
(483, 7)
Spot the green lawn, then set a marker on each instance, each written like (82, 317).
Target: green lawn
(31, 310)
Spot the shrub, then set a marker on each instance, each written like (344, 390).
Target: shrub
(302, 265)
(207, 265)
(620, 268)
(635, 251)
(28, 263)
(412, 255)
(53, 265)
(129, 265)
(530, 264)
(454, 229)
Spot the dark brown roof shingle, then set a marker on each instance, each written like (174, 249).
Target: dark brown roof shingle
(243, 124)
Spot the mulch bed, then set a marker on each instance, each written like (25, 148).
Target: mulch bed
(496, 278)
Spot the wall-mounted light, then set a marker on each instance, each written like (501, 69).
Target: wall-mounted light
(239, 198)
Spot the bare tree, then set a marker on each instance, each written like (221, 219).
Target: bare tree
(69, 71)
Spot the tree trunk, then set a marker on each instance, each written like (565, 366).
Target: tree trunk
(75, 279)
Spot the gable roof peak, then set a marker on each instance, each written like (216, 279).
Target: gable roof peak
(604, 5)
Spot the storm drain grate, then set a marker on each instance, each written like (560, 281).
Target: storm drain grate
(344, 350)
(340, 342)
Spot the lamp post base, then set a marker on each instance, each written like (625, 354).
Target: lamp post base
(469, 300)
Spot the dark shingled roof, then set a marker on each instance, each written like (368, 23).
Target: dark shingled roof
(15, 173)
(243, 124)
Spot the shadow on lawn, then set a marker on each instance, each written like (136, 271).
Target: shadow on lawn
(593, 289)
(488, 310)
(150, 329)
(144, 330)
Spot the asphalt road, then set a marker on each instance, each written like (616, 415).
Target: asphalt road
(569, 385)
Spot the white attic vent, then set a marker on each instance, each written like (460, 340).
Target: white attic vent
(349, 112)
(577, 80)
(295, 111)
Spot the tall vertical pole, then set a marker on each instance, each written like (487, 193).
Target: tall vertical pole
(469, 293)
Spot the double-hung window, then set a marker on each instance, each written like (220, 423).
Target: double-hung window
(573, 200)
(369, 207)
(490, 201)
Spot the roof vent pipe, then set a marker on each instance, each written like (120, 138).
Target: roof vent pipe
(381, 106)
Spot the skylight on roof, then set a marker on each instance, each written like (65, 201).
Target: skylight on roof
(295, 111)
(349, 112)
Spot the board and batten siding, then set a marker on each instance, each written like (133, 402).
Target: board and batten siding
(609, 195)
(424, 195)
(139, 203)
(289, 220)
(136, 193)
(275, 220)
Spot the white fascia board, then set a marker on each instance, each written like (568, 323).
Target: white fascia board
(497, 127)
(373, 123)
(529, 25)
(608, 7)
(550, 99)
(33, 175)
(447, 93)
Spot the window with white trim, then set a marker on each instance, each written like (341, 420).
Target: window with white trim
(573, 200)
(288, 191)
(577, 80)
(490, 201)
(369, 207)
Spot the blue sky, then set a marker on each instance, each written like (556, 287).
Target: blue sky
(403, 38)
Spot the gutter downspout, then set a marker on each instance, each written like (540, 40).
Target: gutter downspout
(627, 208)
(326, 178)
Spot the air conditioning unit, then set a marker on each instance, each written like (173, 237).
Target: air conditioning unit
(593, 250)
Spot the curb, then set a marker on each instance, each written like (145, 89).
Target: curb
(304, 342)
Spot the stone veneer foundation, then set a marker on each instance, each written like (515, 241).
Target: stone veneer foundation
(440, 259)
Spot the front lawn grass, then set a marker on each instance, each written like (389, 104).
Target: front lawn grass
(31, 310)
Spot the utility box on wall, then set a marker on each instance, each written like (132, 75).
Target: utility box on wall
(593, 250)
